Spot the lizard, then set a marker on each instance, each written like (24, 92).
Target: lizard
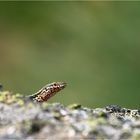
(47, 92)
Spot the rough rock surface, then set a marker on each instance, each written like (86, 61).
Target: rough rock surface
(21, 119)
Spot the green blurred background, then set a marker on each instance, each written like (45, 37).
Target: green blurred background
(93, 46)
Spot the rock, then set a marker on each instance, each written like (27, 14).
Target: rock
(27, 120)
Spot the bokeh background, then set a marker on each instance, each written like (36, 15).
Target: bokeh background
(93, 46)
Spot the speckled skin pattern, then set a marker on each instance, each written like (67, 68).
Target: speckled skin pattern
(48, 91)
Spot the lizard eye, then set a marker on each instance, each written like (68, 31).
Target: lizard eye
(55, 84)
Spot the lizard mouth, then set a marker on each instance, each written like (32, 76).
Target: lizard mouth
(63, 85)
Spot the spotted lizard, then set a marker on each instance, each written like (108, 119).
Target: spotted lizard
(47, 91)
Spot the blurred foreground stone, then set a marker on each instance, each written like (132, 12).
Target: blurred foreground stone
(21, 119)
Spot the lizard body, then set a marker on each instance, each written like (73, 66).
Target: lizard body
(47, 91)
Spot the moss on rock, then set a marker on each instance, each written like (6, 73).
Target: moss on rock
(22, 119)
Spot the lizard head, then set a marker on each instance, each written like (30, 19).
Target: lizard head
(56, 86)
